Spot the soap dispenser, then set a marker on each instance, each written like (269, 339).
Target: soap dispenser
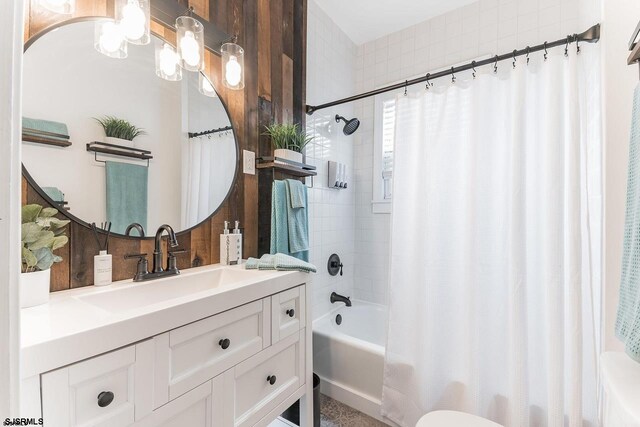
(228, 246)
(238, 242)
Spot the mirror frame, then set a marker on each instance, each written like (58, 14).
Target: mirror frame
(85, 224)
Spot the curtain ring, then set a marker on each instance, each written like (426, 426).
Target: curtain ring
(428, 84)
(495, 66)
(514, 58)
(473, 65)
(577, 45)
(406, 83)
(546, 53)
(528, 51)
(453, 76)
(566, 48)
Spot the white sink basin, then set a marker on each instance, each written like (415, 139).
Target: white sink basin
(142, 294)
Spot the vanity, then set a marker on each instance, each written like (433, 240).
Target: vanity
(214, 346)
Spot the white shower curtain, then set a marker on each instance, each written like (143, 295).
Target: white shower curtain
(494, 283)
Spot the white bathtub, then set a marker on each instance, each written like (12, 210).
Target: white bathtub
(349, 358)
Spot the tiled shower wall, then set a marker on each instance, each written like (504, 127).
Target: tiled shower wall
(331, 58)
(336, 68)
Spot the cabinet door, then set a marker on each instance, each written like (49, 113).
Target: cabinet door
(288, 313)
(258, 385)
(192, 409)
(100, 391)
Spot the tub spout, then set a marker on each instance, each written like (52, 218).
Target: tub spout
(339, 298)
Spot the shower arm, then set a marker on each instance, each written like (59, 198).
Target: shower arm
(592, 35)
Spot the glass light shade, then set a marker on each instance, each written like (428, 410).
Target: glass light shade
(190, 34)
(134, 18)
(232, 66)
(65, 7)
(167, 63)
(109, 39)
(205, 86)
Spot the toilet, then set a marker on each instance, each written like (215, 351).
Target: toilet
(454, 419)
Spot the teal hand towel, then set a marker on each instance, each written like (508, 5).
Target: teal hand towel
(280, 262)
(45, 128)
(126, 195)
(628, 318)
(289, 226)
(54, 193)
(298, 194)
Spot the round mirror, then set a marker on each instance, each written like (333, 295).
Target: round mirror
(178, 170)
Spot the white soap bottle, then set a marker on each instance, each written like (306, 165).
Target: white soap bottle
(102, 269)
(238, 242)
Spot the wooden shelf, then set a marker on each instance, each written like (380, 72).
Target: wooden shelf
(46, 141)
(289, 169)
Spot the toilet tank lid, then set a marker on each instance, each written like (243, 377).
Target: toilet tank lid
(621, 381)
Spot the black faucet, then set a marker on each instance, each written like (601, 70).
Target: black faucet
(339, 298)
(157, 252)
(137, 226)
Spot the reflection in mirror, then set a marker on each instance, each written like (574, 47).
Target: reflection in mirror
(67, 84)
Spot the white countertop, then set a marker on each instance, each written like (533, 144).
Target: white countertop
(84, 322)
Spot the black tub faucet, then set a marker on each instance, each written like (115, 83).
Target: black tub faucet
(340, 298)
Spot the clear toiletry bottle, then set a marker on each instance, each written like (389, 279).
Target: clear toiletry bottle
(227, 252)
(238, 242)
(102, 269)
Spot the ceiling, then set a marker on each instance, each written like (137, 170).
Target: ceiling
(366, 20)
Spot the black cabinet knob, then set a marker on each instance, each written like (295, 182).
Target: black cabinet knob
(291, 312)
(224, 343)
(105, 398)
(271, 379)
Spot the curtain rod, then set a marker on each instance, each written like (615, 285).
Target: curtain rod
(592, 35)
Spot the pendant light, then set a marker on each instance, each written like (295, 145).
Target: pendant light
(109, 39)
(134, 18)
(232, 65)
(65, 7)
(190, 46)
(205, 87)
(167, 62)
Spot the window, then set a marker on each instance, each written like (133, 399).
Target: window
(384, 133)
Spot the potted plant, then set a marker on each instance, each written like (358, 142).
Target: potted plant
(118, 131)
(288, 141)
(42, 233)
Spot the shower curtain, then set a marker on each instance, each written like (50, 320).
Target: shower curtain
(494, 282)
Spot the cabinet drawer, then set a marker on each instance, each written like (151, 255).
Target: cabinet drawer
(256, 386)
(195, 353)
(193, 409)
(99, 391)
(288, 313)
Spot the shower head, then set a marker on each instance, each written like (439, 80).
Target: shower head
(350, 125)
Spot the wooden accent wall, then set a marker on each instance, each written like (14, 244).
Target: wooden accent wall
(273, 34)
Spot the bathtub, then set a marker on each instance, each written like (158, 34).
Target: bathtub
(349, 358)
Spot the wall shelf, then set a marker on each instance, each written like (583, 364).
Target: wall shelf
(46, 141)
(286, 166)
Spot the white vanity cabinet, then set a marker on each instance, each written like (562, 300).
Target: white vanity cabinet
(240, 367)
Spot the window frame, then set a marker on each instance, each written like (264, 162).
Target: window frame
(379, 205)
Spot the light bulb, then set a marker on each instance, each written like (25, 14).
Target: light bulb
(190, 49)
(207, 86)
(111, 37)
(233, 71)
(133, 20)
(168, 60)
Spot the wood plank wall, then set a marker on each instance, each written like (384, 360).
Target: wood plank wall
(273, 34)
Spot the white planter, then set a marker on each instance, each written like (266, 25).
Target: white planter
(118, 141)
(283, 153)
(34, 288)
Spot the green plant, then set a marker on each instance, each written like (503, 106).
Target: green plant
(119, 128)
(290, 137)
(42, 233)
